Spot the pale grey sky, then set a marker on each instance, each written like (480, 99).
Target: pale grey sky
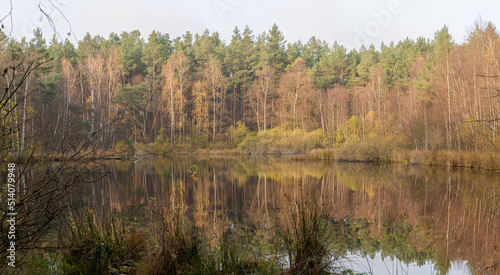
(350, 23)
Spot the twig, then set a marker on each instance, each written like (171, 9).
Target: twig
(493, 76)
(9, 14)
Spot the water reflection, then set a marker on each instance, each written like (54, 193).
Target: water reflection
(416, 215)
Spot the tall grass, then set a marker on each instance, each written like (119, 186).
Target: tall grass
(311, 243)
(98, 247)
(102, 247)
(176, 246)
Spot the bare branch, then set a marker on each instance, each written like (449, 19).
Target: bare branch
(482, 120)
(46, 9)
(62, 14)
(493, 96)
(49, 19)
(9, 14)
(492, 76)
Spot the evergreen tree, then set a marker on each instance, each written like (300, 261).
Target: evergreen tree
(131, 52)
(275, 50)
(314, 50)
(367, 63)
(294, 51)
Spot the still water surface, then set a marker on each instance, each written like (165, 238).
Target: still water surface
(392, 219)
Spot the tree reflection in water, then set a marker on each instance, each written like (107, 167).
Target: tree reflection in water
(412, 214)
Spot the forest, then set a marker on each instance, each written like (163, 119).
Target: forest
(255, 93)
(64, 107)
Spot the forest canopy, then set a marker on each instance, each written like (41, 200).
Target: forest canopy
(431, 94)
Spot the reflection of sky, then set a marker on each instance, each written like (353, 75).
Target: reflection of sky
(377, 266)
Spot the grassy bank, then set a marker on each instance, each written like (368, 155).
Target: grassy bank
(473, 160)
(315, 145)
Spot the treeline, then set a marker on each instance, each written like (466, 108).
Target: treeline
(416, 94)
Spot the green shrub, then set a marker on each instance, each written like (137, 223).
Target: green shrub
(275, 142)
(322, 154)
(315, 139)
(349, 131)
(124, 147)
(40, 263)
(142, 149)
(239, 133)
(199, 139)
(249, 144)
(161, 145)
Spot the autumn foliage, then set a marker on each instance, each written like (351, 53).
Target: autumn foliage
(414, 94)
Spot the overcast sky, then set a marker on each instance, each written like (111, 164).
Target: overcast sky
(350, 23)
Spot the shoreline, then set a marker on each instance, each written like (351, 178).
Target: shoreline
(454, 159)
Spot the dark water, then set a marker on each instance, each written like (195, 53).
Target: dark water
(392, 219)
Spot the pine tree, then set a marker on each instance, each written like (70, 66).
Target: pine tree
(131, 51)
(275, 50)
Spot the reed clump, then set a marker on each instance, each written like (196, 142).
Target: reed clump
(310, 238)
(105, 247)
(96, 248)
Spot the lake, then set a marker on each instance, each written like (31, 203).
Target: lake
(391, 219)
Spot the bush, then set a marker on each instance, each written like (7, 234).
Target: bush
(416, 157)
(373, 150)
(266, 142)
(124, 147)
(401, 156)
(142, 149)
(199, 139)
(239, 133)
(321, 154)
(249, 144)
(161, 145)
(43, 264)
(315, 139)
(289, 142)
(349, 131)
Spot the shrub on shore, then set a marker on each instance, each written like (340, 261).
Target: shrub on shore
(276, 142)
(124, 148)
(161, 145)
(467, 159)
(370, 150)
(383, 152)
